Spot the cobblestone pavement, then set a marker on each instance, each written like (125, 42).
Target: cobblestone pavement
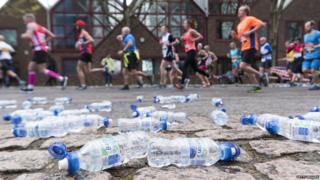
(262, 157)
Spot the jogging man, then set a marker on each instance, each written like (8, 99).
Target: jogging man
(247, 34)
(39, 37)
(6, 60)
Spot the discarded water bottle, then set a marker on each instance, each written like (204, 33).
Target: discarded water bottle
(26, 105)
(57, 126)
(142, 111)
(169, 99)
(219, 117)
(74, 112)
(38, 100)
(293, 129)
(192, 97)
(20, 116)
(105, 106)
(310, 116)
(171, 117)
(315, 109)
(139, 99)
(62, 100)
(184, 152)
(169, 106)
(217, 102)
(147, 124)
(102, 153)
(8, 104)
(57, 109)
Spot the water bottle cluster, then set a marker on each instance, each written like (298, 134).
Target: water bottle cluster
(175, 99)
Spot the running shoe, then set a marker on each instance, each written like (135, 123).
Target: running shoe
(126, 87)
(314, 87)
(26, 89)
(255, 89)
(82, 88)
(64, 83)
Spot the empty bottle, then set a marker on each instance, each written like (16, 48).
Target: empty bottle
(62, 100)
(184, 152)
(26, 105)
(8, 104)
(142, 111)
(219, 117)
(56, 126)
(56, 109)
(171, 117)
(217, 102)
(104, 106)
(169, 99)
(24, 115)
(100, 154)
(315, 109)
(38, 100)
(192, 97)
(139, 99)
(147, 124)
(74, 112)
(310, 116)
(293, 129)
(169, 106)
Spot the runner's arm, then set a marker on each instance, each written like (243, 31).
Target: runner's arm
(88, 37)
(50, 35)
(197, 36)
(257, 24)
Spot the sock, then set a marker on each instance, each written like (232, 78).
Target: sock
(53, 75)
(31, 79)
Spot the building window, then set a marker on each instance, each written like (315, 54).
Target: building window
(224, 31)
(227, 7)
(295, 30)
(10, 35)
(69, 66)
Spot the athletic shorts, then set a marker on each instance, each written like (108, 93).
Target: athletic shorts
(130, 61)
(86, 58)
(249, 56)
(6, 65)
(235, 64)
(40, 57)
(309, 64)
(168, 68)
(296, 65)
(266, 64)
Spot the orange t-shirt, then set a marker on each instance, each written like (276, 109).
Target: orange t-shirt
(251, 41)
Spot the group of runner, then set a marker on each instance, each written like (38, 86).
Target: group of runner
(198, 58)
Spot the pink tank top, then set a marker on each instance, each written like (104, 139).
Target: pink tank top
(39, 39)
(188, 43)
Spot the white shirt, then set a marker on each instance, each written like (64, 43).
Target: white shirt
(165, 42)
(5, 49)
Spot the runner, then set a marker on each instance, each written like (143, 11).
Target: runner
(39, 37)
(84, 45)
(131, 58)
(6, 61)
(248, 36)
(168, 53)
(266, 59)
(190, 38)
(203, 60)
(311, 63)
(212, 58)
(295, 59)
(235, 56)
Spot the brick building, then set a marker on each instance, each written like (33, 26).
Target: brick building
(105, 21)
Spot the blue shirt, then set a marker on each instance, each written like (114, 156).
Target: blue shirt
(235, 54)
(127, 39)
(266, 51)
(312, 38)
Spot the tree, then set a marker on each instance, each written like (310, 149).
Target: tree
(17, 8)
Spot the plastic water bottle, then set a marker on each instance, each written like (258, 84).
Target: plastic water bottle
(310, 116)
(147, 124)
(139, 99)
(20, 116)
(169, 106)
(192, 97)
(100, 154)
(169, 99)
(315, 109)
(62, 100)
(217, 102)
(26, 105)
(57, 109)
(38, 100)
(105, 106)
(142, 111)
(219, 117)
(184, 152)
(8, 104)
(294, 129)
(171, 117)
(74, 112)
(57, 126)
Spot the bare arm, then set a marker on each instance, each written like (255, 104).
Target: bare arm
(197, 36)
(50, 35)
(128, 46)
(88, 37)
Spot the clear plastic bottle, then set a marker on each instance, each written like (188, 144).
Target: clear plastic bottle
(26, 105)
(171, 117)
(62, 100)
(139, 99)
(184, 152)
(38, 100)
(169, 99)
(24, 115)
(217, 102)
(219, 117)
(142, 111)
(147, 124)
(102, 153)
(294, 129)
(192, 97)
(56, 109)
(105, 106)
(311, 116)
(57, 126)
(74, 112)
(8, 104)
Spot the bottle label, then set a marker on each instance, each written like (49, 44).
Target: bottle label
(198, 153)
(111, 152)
(301, 130)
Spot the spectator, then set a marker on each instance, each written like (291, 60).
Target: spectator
(266, 58)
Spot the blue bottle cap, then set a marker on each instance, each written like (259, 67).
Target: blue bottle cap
(315, 109)
(187, 99)
(223, 110)
(300, 117)
(16, 120)
(58, 150)
(73, 163)
(106, 122)
(272, 127)
(7, 117)
(193, 152)
(248, 119)
(19, 132)
(164, 124)
(230, 151)
(156, 100)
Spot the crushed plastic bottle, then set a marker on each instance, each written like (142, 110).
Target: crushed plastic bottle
(147, 124)
(8, 104)
(184, 152)
(294, 129)
(23, 115)
(56, 126)
(57, 109)
(219, 117)
(171, 117)
(175, 99)
(26, 105)
(142, 111)
(62, 100)
(100, 154)
(217, 102)
(169, 106)
(104, 106)
(139, 99)
(192, 97)
(38, 100)
(74, 112)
